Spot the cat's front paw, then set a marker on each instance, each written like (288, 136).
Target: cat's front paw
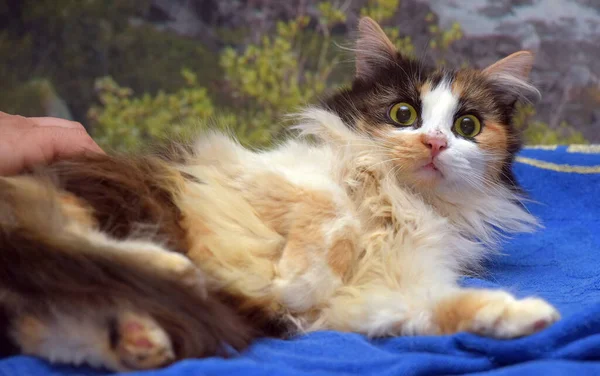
(142, 343)
(507, 317)
(495, 314)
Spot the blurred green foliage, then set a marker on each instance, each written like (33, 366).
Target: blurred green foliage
(151, 83)
(380, 10)
(123, 121)
(539, 133)
(442, 39)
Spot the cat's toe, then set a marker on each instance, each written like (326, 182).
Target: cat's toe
(142, 343)
(510, 318)
(181, 269)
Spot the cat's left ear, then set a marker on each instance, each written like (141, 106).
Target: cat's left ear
(511, 75)
(373, 48)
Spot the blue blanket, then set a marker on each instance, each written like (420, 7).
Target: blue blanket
(561, 263)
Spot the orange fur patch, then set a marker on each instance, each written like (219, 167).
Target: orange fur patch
(300, 214)
(494, 140)
(457, 313)
(341, 257)
(78, 210)
(461, 82)
(425, 88)
(409, 150)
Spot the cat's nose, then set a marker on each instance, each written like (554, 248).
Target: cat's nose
(435, 142)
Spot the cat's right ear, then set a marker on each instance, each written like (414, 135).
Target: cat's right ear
(511, 76)
(373, 48)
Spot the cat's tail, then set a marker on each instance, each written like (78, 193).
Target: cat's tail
(48, 261)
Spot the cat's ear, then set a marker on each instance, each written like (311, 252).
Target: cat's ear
(373, 48)
(511, 74)
(517, 65)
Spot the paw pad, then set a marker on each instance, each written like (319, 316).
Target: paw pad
(142, 343)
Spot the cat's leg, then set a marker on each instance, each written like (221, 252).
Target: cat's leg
(122, 340)
(492, 313)
(443, 310)
(319, 254)
(375, 311)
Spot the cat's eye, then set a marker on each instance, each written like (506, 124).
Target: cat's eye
(403, 114)
(467, 126)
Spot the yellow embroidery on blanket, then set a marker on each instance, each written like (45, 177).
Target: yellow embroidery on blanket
(559, 167)
(587, 149)
(540, 147)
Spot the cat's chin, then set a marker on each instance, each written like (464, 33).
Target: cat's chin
(430, 171)
(428, 175)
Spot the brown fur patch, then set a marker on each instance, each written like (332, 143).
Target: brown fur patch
(474, 92)
(127, 195)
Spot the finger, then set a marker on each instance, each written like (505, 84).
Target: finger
(12, 162)
(10, 123)
(55, 122)
(43, 145)
(59, 143)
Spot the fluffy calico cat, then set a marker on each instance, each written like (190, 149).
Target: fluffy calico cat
(364, 222)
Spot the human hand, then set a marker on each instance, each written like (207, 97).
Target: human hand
(27, 142)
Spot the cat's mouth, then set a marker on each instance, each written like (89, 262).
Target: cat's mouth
(430, 166)
(431, 170)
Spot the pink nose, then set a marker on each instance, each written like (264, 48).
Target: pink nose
(436, 143)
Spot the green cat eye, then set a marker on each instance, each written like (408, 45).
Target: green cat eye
(403, 114)
(467, 126)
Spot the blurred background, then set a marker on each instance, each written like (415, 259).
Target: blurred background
(133, 70)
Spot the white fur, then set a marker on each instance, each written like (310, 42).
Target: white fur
(69, 339)
(439, 108)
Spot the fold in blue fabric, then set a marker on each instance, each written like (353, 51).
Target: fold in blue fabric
(560, 263)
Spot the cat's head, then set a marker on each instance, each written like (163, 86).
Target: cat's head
(440, 129)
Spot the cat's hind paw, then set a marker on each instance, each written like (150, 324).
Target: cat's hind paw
(142, 343)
